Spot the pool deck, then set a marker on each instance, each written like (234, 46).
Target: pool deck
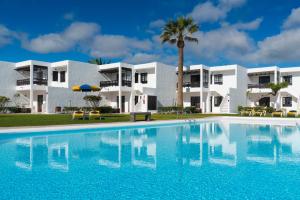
(237, 120)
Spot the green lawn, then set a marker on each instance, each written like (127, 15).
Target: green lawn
(14, 120)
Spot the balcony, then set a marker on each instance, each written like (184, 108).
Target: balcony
(191, 84)
(259, 86)
(35, 82)
(114, 83)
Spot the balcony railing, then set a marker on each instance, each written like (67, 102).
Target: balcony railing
(260, 86)
(115, 83)
(35, 82)
(192, 84)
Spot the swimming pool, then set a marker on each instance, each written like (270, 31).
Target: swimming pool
(205, 160)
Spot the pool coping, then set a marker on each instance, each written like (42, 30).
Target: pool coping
(239, 120)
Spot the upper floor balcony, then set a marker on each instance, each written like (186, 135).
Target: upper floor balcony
(125, 83)
(22, 82)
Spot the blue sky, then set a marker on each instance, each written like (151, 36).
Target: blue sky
(247, 32)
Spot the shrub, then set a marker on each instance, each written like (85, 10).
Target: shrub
(191, 109)
(17, 110)
(3, 102)
(102, 109)
(170, 109)
(93, 100)
(268, 109)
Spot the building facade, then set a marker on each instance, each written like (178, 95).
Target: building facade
(221, 89)
(46, 87)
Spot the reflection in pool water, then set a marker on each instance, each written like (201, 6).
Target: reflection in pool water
(191, 161)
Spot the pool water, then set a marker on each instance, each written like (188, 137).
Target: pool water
(183, 161)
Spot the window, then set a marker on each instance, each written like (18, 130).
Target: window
(195, 80)
(62, 76)
(136, 77)
(218, 101)
(152, 102)
(288, 79)
(218, 79)
(136, 99)
(195, 101)
(205, 78)
(55, 76)
(287, 101)
(264, 79)
(144, 78)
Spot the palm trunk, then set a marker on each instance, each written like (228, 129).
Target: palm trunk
(180, 78)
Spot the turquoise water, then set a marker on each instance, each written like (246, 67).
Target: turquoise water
(183, 161)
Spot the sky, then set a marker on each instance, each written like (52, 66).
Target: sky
(246, 32)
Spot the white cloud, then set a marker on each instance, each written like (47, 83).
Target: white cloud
(253, 25)
(293, 20)
(76, 33)
(69, 16)
(6, 35)
(223, 43)
(141, 58)
(116, 46)
(157, 24)
(278, 48)
(229, 4)
(208, 12)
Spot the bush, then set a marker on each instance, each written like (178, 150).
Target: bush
(102, 109)
(170, 109)
(3, 102)
(191, 109)
(268, 109)
(17, 110)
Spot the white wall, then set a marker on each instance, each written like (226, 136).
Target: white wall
(166, 80)
(7, 79)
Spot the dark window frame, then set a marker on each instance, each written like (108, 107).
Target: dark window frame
(217, 101)
(218, 79)
(55, 76)
(136, 77)
(144, 78)
(195, 101)
(265, 79)
(287, 101)
(62, 76)
(288, 79)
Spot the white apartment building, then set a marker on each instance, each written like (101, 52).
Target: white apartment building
(218, 89)
(221, 89)
(143, 87)
(46, 87)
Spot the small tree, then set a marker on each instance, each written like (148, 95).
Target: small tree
(99, 61)
(17, 99)
(276, 87)
(3, 102)
(93, 100)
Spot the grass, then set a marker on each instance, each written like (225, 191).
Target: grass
(15, 120)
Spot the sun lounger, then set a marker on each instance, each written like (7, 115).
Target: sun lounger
(78, 115)
(247, 112)
(260, 113)
(94, 115)
(292, 113)
(278, 113)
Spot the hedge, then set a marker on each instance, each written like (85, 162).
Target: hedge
(256, 108)
(102, 109)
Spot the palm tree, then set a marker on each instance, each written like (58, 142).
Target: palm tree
(177, 32)
(99, 61)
